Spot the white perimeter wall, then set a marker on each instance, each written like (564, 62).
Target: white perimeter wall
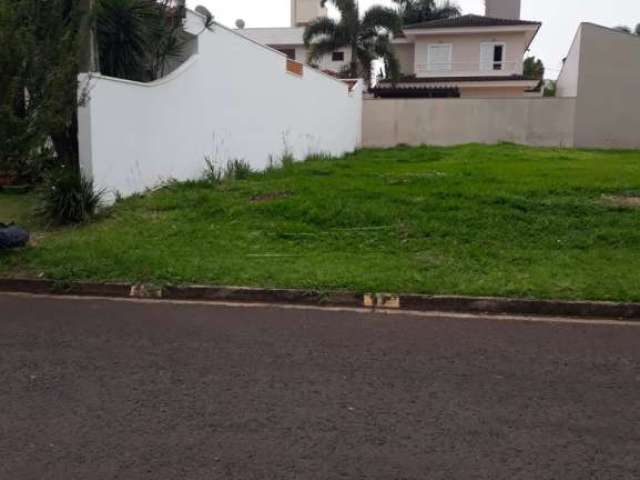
(528, 121)
(233, 100)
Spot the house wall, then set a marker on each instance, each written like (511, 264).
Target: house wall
(608, 103)
(528, 121)
(492, 92)
(325, 62)
(234, 100)
(466, 53)
(503, 8)
(405, 53)
(291, 38)
(305, 11)
(567, 84)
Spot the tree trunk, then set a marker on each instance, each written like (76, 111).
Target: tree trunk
(65, 143)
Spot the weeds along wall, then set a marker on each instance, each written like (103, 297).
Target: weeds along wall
(233, 99)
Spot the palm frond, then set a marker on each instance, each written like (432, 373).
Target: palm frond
(382, 17)
(318, 49)
(416, 11)
(124, 29)
(320, 27)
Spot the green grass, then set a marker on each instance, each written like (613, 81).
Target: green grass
(473, 220)
(18, 208)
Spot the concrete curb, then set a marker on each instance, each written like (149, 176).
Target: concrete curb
(488, 305)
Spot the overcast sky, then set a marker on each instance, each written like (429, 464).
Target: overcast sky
(560, 18)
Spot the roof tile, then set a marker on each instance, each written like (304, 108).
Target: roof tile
(468, 21)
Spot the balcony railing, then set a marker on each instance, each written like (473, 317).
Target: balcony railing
(471, 69)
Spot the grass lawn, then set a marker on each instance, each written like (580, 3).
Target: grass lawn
(18, 208)
(475, 220)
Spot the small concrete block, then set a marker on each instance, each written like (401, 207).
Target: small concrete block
(388, 301)
(369, 301)
(141, 290)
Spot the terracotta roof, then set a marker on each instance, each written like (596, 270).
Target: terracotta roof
(469, 21)
(494, 78)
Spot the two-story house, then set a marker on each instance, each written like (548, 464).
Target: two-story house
(466, 56)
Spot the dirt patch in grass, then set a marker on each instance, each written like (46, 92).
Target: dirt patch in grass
(622, 201)
(269, 197)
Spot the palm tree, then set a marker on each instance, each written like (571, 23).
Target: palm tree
(367, 36)
(417, 11)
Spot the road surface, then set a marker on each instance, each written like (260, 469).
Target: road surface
(100, 389)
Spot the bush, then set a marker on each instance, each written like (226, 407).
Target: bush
(319, 157)
(287, 159)
(237, 170)
(68, 198)
(212, 173)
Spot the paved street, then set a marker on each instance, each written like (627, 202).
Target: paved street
(98, 389)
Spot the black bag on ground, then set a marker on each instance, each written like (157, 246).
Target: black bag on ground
(12, 237)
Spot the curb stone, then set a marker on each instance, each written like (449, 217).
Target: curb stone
(458, 304)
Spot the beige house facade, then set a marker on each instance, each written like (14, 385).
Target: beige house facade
(289, 40)
(470, 56)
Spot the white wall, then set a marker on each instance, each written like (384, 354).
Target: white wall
(567, 85)
(527, 121)
(234, 100)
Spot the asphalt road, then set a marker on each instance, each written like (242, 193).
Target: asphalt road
(94, 389)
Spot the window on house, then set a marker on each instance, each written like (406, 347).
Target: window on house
(492, 57)
(337, 56)
(439, 58)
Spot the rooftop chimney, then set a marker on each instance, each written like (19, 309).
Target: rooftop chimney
(503, 9)
(304, 11)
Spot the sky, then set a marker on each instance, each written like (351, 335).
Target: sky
(560, 18)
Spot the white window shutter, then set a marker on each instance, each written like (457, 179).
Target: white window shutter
(486, 57)
(439, 58)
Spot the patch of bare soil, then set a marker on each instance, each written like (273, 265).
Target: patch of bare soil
(622, 201)
(268, 197)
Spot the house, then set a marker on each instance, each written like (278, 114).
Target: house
(289, 40)
(466, 56)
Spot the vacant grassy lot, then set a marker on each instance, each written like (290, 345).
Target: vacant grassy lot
(475, 220)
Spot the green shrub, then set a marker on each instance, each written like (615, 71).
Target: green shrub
(67, 198)
(287, 159)
(212, 173)
(237, 169)
(319, 157)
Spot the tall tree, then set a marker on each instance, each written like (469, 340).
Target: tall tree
(417, 11)
(367, 37)
(533, 68)
(39, 87)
